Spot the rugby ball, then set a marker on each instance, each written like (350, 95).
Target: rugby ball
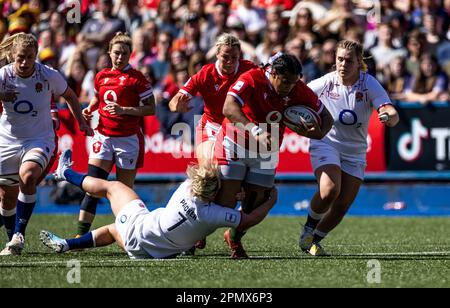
(293, 114)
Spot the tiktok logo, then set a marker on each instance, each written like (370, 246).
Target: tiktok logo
(409, 145)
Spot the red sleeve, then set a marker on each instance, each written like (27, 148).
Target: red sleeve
(144, 88)
(192, 85)
(96, 83)
(242, 89)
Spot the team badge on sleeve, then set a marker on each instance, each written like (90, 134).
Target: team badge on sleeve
(238, 86)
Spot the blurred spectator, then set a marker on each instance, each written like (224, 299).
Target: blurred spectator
(416, 44)
(47, 56)
(432, 36)
(98, 31)
(75, 75)
(64, 48)
(396, 77)
(165, 20)
(252, 17)
(302, 28)
(274, 37)
(160, 65)
(430, 84)
(189, 40)
(327, 57)
(142, 53)
(217, 25)
(128, 11)
(384, 52)
(237, 29)
(87, 87)
(318, 8)
(297, 48)
(196, 62)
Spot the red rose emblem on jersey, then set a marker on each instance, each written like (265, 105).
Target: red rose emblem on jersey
(359, 96)
(38, 87)
(96, 147)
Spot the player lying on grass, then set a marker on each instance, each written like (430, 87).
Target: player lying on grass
(165, 232)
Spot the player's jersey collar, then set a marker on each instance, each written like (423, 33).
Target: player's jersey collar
(126, 68)
(220, 73)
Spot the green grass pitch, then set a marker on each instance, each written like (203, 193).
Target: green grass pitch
(412, 252)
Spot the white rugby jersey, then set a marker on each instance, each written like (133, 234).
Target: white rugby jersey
(183, 222)
(29, 117)
(351, 108)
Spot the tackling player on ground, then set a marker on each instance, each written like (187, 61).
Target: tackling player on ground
(165, 232)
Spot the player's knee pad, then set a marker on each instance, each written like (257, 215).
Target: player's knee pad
(89, 204)
(9, 180)
(97, 172)
(37, 157)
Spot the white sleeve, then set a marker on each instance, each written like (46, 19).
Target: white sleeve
(377, 94)
(57, 83)
(318, 85)
(220, 216)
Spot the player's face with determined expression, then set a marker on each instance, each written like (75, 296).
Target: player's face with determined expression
(24, 58)
(120, 55)
(347, 65)
(283, 83)
(228, 59)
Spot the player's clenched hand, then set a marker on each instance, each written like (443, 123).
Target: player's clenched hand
(87, 114)
(8, 96)
(114, 109)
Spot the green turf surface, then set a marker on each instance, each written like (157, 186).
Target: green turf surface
(413, 252)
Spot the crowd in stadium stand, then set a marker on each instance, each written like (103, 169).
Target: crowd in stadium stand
(407, 42)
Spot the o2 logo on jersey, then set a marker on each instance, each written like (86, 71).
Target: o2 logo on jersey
(348, 117)
(25, 107)
(110, 97)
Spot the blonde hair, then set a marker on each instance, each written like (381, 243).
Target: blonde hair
(227, 39)
(357, 48)
(121, 38)
(9, 45)
(205, 181)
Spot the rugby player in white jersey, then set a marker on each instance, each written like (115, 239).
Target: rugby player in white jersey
(165, 232)
(339, 159)
(26, 128)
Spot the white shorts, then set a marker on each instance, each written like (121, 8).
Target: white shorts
(126, 152)
(236, 163)
(324, 154)
(206, 131)
(126, 221)
(139, 230)
(13, 155)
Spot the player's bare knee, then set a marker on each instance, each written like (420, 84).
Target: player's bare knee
(329, 192)
(29, 177)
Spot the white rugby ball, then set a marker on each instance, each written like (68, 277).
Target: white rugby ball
(293, 114)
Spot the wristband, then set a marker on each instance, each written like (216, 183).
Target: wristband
(256, 130)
